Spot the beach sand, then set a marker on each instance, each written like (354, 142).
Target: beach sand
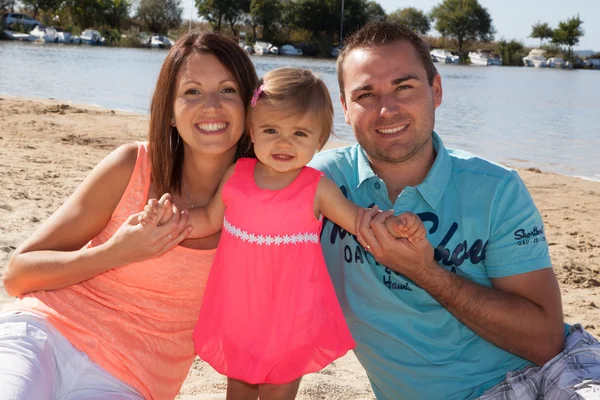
(48, 147)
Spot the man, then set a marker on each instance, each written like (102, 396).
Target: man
(456, 322)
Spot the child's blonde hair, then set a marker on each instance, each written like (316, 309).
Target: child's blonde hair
(295, 92)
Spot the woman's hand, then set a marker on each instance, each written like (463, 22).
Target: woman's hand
(140, 238)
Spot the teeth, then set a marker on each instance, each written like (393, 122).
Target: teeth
(212, 127)
(393, 130)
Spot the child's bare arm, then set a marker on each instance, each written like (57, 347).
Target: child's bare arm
(337, 208)
(331, 202)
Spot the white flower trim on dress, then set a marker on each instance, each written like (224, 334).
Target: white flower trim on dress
(268, 240)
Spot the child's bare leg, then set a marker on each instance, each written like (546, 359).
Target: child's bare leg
(286, 391)
(240, 390)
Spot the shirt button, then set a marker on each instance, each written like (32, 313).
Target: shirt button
(377, 185)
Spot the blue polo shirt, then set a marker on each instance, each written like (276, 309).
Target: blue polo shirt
(482, 223)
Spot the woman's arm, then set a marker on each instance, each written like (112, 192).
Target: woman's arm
(53, 257)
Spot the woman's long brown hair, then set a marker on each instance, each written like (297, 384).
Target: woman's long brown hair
(165, 149)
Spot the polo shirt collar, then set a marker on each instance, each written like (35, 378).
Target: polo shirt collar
(433, 186)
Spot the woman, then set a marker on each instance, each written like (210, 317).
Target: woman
(107, 306)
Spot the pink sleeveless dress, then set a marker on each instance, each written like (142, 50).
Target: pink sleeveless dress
(270, 313)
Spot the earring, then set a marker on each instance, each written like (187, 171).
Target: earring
(175, 133)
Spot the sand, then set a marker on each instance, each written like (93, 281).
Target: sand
(48, 147)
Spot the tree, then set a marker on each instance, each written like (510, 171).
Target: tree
(317, 17)
(356, 14)
(212, 11)
(375, 12)
(322, 18)
(236, 14)
(290, 17)
(413, 18)
(99, 13)
(114, 12)
(160, 15)
(218, 11)
(541, 31)
(464, 20)
(42, 5)
(512, 52)
(568, 32)
(266, 14)
(7, 5)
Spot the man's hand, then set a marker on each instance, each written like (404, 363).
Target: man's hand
(409, 258)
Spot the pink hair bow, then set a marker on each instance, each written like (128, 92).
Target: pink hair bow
(256, 95)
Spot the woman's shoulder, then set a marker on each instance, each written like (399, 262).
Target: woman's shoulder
(117, 168)
(127, 153)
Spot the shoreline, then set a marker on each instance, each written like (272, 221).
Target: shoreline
(334, 141)
(47, 147)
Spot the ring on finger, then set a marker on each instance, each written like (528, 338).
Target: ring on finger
(169, 235)
(368, 248)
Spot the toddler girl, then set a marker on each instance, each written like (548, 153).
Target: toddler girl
(270, 312)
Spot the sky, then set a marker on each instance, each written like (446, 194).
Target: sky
(513, 18)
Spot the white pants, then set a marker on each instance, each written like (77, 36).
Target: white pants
(38, 363)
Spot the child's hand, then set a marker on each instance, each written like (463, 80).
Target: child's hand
(406, 225)
(158, 212)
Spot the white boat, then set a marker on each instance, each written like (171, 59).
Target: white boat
(12, 35)
(593, 63)
(536, 59)
(64, 37)
(335, 52)
(556, 62)
(273, 50)
(246, 47)
(484, 57)
(262, 47)
(289, 50)
(160, 42)
(444, 56)
(43, 35)
(91, 36)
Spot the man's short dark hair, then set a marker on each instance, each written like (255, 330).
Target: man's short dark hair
(381, 33)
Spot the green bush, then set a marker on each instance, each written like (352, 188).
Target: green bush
(112, 35)
(132, 38)
(512, 52)
(552, 50)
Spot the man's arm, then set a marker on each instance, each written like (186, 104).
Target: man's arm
(521, 314)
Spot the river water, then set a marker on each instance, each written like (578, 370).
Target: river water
(522, 117)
